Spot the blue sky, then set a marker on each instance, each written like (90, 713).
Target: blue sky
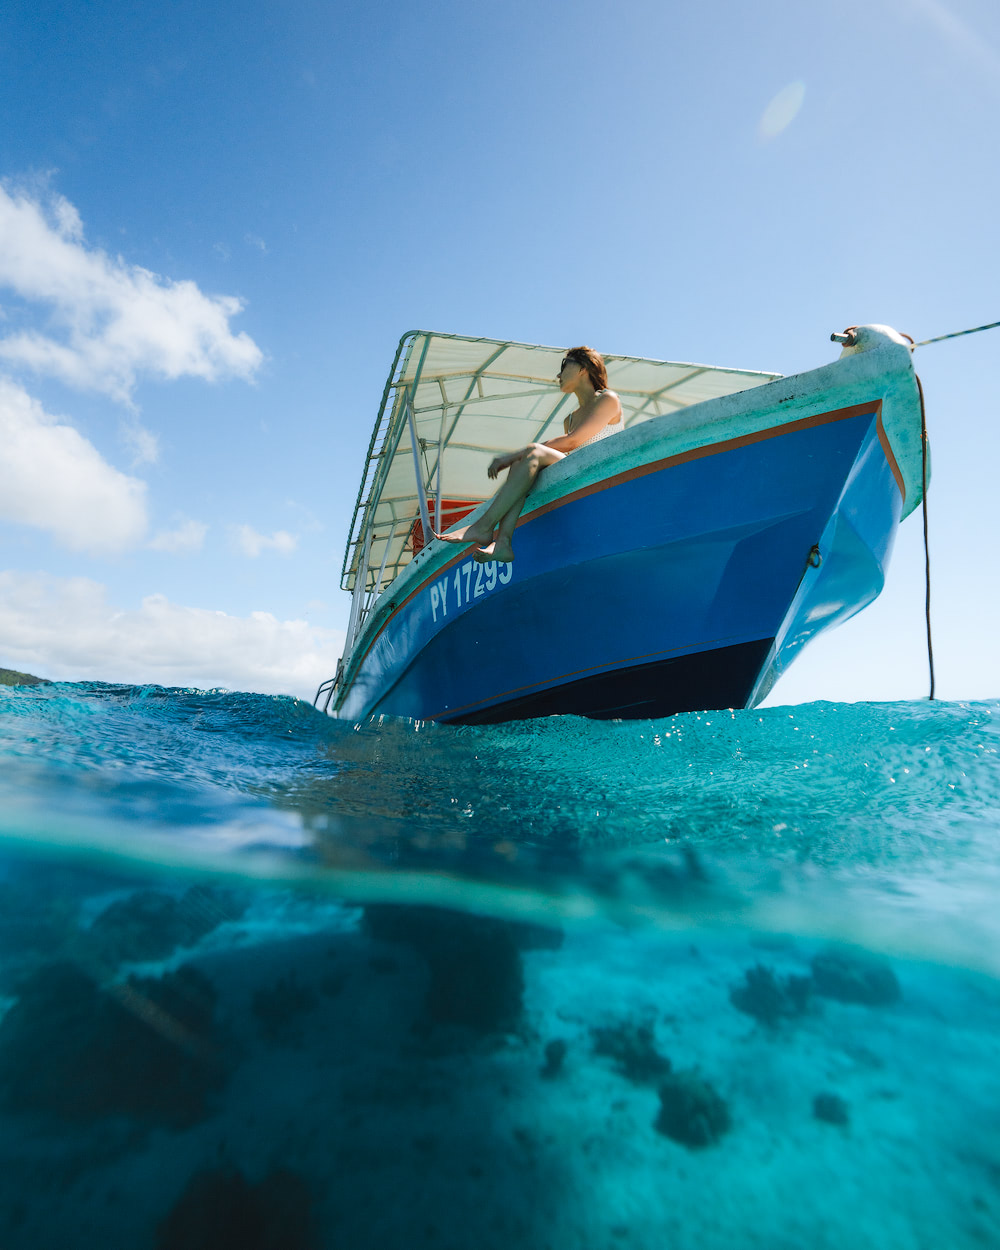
(216, 220)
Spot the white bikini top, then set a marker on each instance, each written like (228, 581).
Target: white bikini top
(611, 428)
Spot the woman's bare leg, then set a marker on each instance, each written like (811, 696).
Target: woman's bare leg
(475, 533)
(501, 548)
(519, 479)
(506, 507)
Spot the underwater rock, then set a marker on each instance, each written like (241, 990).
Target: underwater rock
(769, 998)
(852, 977)
(633, 1048)
(151, 924)
(476, 977)
(537, 937)
(555, 1057)
(278, 1007)
(831, 1108)
(33, 924)
(143, 1048)
(40, 914)
(220, 1210)
(692, 1112)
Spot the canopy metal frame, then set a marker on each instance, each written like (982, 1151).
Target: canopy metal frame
(506, 391)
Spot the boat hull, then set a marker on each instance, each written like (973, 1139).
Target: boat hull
(721, 677)
(679, 584)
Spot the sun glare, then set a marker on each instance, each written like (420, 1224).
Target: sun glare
(782, 110)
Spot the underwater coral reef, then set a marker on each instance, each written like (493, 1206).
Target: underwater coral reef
(281, 1071)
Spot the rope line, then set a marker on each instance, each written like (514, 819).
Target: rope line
(940, 338)
(958, 334)
(927, 553)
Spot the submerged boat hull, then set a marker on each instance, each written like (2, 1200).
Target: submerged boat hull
(663, 584)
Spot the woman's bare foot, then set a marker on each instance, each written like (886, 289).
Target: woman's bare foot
(500, 550)
(468, 535)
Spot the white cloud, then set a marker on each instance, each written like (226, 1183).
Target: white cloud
(254, 240)
(143, 443)
(252, 544)
(52, 478)
(65, 628)
(110, 321)
(188, 536)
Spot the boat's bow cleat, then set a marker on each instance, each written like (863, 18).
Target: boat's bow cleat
(864, 338)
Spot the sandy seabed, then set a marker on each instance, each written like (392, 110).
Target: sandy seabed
(353, 1104)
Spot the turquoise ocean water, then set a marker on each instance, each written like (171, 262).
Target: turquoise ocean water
(273, 980)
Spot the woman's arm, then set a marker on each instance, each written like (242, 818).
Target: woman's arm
(606, 406)
(499, 463)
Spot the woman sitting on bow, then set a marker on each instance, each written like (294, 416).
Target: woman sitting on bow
(599, 414)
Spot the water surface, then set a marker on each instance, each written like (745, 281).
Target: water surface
(271, 979)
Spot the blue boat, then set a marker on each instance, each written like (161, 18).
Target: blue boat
(679, 565)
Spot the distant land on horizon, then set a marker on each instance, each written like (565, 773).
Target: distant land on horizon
(11, 677)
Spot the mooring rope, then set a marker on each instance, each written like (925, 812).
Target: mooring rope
(927, 550)
(957, 334)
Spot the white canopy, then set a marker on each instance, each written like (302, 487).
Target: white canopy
(468, 399)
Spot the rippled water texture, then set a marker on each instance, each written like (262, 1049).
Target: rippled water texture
(273, 980)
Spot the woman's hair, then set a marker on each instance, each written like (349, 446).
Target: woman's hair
(593, 362)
